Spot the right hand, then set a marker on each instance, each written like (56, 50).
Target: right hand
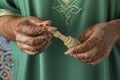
(32, 34)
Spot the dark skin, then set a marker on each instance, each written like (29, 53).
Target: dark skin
(34, 35)
(96, 42)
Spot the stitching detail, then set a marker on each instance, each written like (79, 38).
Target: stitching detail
(66, 8)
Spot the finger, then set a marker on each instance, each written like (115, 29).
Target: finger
(85, 35)
(33, 41)
(28, 28)
(83, 56)
(49, 36)
(100, 56)
(52, 29)
(88, 54)
(22, 38)
(93, 39)
(44, 23)
(50, 32)
(97, 61)
(32, 50)
(29, 52)
(26, 51)
(84, 47)
(39, 22)
(36, 20)
(43, 48)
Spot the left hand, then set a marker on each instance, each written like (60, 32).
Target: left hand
(96, 43)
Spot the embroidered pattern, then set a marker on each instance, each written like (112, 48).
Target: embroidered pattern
(6, 60)
(66, 8)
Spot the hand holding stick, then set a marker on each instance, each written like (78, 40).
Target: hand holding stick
(69, 41)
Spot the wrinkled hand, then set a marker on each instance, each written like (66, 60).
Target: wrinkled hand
(97, 42)
(32, 34)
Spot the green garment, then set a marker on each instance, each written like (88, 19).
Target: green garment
(52, 64)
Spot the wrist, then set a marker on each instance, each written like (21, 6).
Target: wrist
(6, 27)
(115, 24)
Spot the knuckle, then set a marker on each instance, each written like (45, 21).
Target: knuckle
(76, 51)
(89, 44)
(88, 60)
(91, 60)
(36, 48)
(47, 23)
(75, 56)
(35, 19)
(85, 55)
(106, 53)
(37, 41)
(44, 29)
(93, 64)
(49, 35)
(34, 42)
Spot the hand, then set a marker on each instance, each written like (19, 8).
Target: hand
(32, 34)
(97, 43)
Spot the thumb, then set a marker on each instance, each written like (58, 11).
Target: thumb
(52, 29)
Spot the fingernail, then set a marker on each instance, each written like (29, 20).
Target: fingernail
(67, 53)
(52, 29)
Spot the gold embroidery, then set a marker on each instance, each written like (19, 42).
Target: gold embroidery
(66, 8)
(66, 1)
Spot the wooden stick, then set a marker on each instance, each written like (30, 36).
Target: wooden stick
(69, 41)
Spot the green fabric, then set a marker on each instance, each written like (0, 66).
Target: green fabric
(52, 64)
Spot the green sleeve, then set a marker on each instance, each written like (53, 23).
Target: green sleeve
(8, 4)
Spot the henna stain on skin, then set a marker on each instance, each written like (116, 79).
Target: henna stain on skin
(103, 37)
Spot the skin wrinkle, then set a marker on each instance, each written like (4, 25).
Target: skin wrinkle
(36, 48)
(103, 37)
(30, 29)
(103, 51)
(39, 38)
(31, 40)
(36, 41)
(97, 57)
(39, 22)
(40, 35)
(43, 48)
(87, 55)
(85, 36)
(35, 27)
(104, 55)
(88, 45)
(35, 19)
